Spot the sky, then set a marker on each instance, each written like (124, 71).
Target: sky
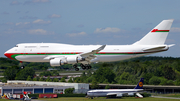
(86, 22)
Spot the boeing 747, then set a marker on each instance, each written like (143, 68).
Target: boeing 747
(59, 54)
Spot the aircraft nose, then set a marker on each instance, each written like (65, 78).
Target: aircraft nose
(8, 55)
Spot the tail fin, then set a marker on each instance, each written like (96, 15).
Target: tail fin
(140, 84)
(158, 35)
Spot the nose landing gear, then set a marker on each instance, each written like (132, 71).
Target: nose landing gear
(22, 66)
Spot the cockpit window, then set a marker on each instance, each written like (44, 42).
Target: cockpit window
(16, 46)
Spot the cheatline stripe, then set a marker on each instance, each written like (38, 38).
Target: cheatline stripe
(13, 55)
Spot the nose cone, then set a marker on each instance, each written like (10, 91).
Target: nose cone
(8, 55)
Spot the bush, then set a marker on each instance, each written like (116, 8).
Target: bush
(60, 95)
(69, 91)
(154, 80)
(71, 95)
(146, 94)
(33, 95)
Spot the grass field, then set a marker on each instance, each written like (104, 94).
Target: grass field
(98, 99)
(168, 95)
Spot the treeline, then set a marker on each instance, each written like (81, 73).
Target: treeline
(155, 70)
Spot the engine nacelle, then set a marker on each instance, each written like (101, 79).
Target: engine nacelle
(67, 60)
(58, 62)
(74, 59)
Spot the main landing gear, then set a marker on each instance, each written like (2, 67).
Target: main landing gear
(86, 66)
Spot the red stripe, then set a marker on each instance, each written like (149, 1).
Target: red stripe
(155, 30)
(9, 55)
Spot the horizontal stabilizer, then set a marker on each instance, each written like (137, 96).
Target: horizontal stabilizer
(171, 45)
(154, 48)
(139, 95)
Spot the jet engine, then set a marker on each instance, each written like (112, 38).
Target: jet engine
(66, 60)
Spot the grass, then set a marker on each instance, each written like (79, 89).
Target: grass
(99, 99)
(168, 95)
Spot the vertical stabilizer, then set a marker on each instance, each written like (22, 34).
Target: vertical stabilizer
(158, 35)
(140, 84)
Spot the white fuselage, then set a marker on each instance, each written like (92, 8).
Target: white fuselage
(109, 92)
(43, 52)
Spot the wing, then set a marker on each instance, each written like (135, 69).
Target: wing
(90, 55)
(115, 94)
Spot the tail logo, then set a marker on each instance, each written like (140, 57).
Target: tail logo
(156, 30)
(140, 84)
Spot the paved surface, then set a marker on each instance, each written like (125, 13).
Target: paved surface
(165, 97)
(70, 73)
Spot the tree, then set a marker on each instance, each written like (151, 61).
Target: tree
(154, 80)
(45, 73)
(35, 79)
(70, 80)
(41, 79)
(29, 78)
(94, 84)
(107, 87)
(48, 79)
(104, 73)
(69, 91)
(10, 72)
(55, 80)
(24, 73)
(63, 79)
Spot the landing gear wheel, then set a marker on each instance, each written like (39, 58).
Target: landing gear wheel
(22, 67)
(87, 66)
(77, 69)
(75, 66)
(82, 66)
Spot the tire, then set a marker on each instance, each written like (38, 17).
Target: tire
(77, 69)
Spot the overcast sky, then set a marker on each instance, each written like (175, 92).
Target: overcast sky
(87, 22)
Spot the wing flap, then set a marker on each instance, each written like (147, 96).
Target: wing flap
(90, 55)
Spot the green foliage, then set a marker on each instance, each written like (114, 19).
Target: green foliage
(35, 79)
(69, 91)
(63, 79)
(48, 79)
(29, 78)
(94, 84)
(154, 80)
(41, 79)
(45, 73)
(24, 73)
(55, 80)
(70, 80)
(104, 73)
(107, 87)
(10, 72)
(155, 70)
(71, 95)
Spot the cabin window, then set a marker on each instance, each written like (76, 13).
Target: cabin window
(44, 46)
(30, 46)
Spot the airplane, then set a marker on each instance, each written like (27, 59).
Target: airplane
(117, 92)
(59, 54)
